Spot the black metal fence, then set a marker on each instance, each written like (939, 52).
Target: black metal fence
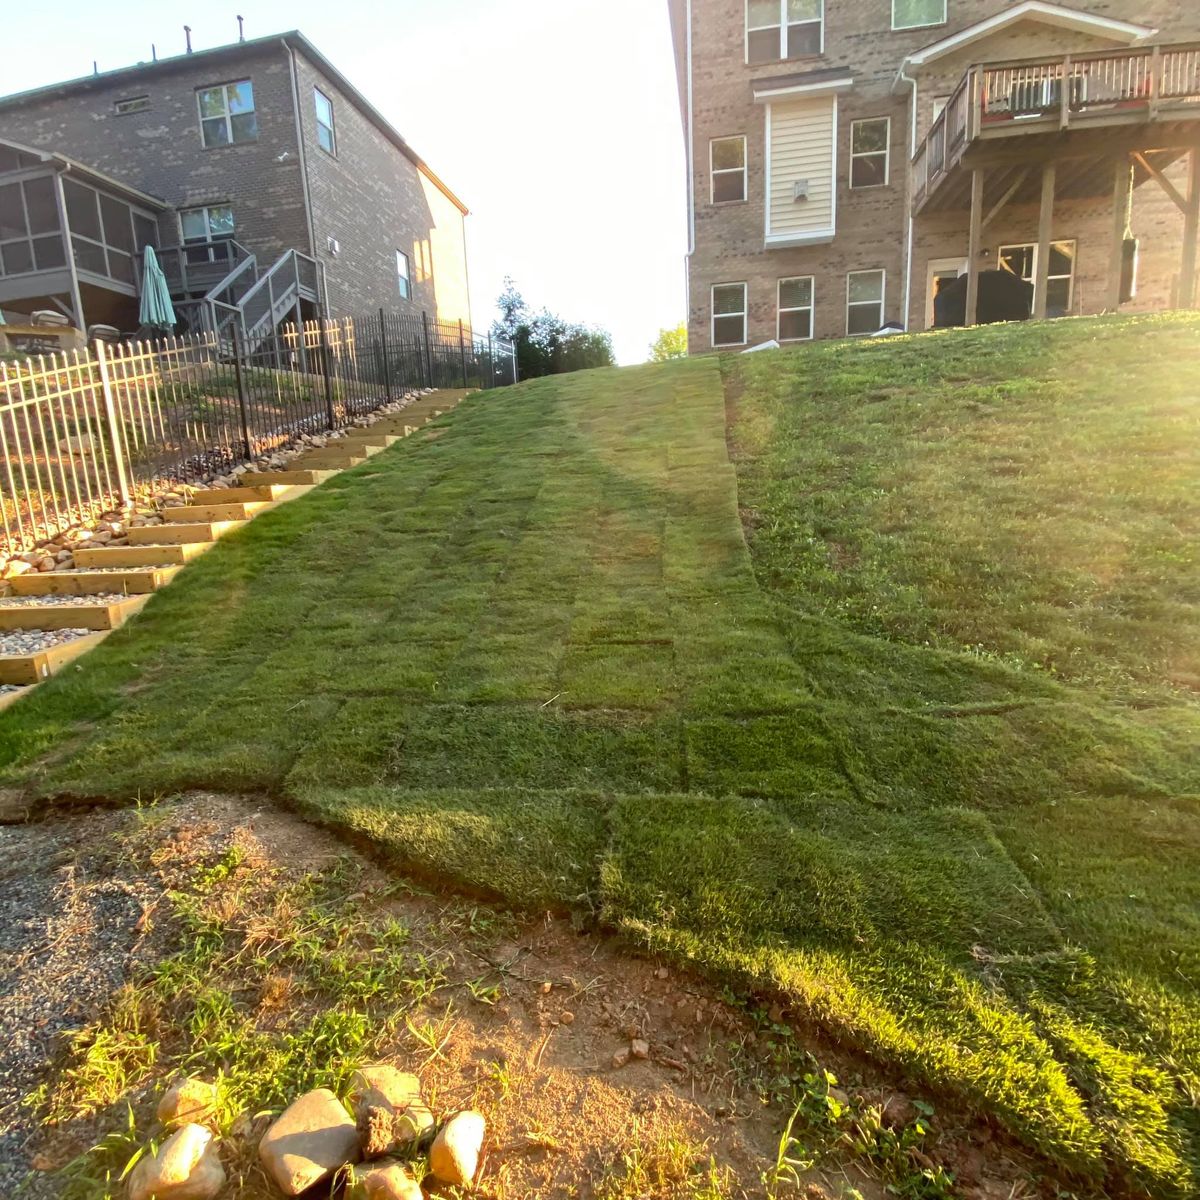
(91, 431)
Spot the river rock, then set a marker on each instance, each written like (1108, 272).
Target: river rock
(313, 1138)
(388, 1181)
(454, 1156)
(188, 1101)
(186, 1167)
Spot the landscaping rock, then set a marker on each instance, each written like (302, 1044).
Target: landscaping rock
(47, 563)
(454, 1156)
(639, 1048)
(388, 1111)
(388, 1181)
(622, 1057)
(400, 1088)
(311, 1140)
(17, 567)
(188, 1101)
(186, 1167)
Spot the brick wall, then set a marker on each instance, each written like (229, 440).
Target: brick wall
(872, 224)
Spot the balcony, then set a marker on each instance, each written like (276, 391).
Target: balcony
(1067, 107)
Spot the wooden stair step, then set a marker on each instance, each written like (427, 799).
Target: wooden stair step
(82, 583)
(191, 514)
(33, 668)
(72, 616)
(172, 554)
(371, 439)
(333, 462)
(266, 493)
(292, 478)
(185, 533)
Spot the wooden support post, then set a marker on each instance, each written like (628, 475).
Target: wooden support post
(1120, 222)
(1041, 286)
(1191, 230)
(975, 246)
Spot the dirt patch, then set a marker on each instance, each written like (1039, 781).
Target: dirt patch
(525, 1019)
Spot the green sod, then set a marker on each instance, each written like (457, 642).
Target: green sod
(920, 751)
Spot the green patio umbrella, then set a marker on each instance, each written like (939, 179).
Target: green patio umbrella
(156, 310)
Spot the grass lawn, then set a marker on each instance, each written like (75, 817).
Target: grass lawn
(922, 754)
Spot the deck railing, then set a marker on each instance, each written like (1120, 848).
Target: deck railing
(1064, 92)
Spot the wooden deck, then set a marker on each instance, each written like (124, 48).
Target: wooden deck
(1079, 111)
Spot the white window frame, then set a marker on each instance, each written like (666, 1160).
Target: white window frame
(227, 115)
(923, 24)
(318, 96)
(784, 26)
(882, 301)
(810, 308)
(714, 315)
(404, 274)
(887, 154)
(1033, 258)
(713, 172)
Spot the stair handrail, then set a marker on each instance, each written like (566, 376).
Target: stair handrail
(282, 282)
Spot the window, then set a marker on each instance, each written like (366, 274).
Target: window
(728, 158)
(795, 309)
(201, 227)
(779, 29)
(870, 142)
(134, 104)
(404, 275)
(864, 301)
(227, 114)
(729, 314)
(105, 233)
(29, 230)
(1022, 261)
(325, 135)
(914, 14)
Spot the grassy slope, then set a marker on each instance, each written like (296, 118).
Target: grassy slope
(529, 651)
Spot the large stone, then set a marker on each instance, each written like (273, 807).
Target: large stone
(188, 1101)
(400, 1088)
(388, 1110)
(454, 1156)
(186, 1167)
(388, 1181)
(17, 567)
(313, 1138)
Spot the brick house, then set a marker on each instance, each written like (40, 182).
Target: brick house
(264, 178)
(848, 159)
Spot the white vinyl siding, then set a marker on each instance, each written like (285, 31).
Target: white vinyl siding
(801, 148)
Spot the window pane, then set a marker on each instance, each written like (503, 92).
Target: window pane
(245, 127)
(866, 286)
(868, 171)
(864, 318)
(763, 12)
(729, 331)
(729, 187)
(212, 102)
(120, 266)
(869, 136)
(907, 14)
(1062, 258)
(49, 253)
(41, 206)
(82, 210)
(1058, 297)
(145, 231)
(804, 39)
(89, 257)
(118, 231)
(1018, 260)
(195, 225)
(220, 221)
(804, 10)
(216, 132)
(12, 215)
(325, 138)
(729, 299)
(795, 293)
(728, 153)
(240, 96)
(17, 258)
(324, 109)
(764, 46)
(795, 326)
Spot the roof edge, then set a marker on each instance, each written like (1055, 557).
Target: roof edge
(52, 158)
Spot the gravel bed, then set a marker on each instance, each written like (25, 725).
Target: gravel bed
(33, 641)
(69, 937)
(99, 599)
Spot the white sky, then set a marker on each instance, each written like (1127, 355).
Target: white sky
(556, 122)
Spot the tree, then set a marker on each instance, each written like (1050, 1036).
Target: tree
(671, 343)
(546, 344)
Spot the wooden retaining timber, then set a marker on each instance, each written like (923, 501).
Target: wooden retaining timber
(33, 668)
(133, 582)
(72, 616)
(202, 531)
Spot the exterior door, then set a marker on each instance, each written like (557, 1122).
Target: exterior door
(948, 269)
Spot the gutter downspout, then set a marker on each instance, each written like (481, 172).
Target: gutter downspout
(308, 214)
(912, 153)
(691, 179)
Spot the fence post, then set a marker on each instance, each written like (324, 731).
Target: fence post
(428, 350)
(383, 346)
(241, 392)
(462, 352)
(325, 372)
(114, 429)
